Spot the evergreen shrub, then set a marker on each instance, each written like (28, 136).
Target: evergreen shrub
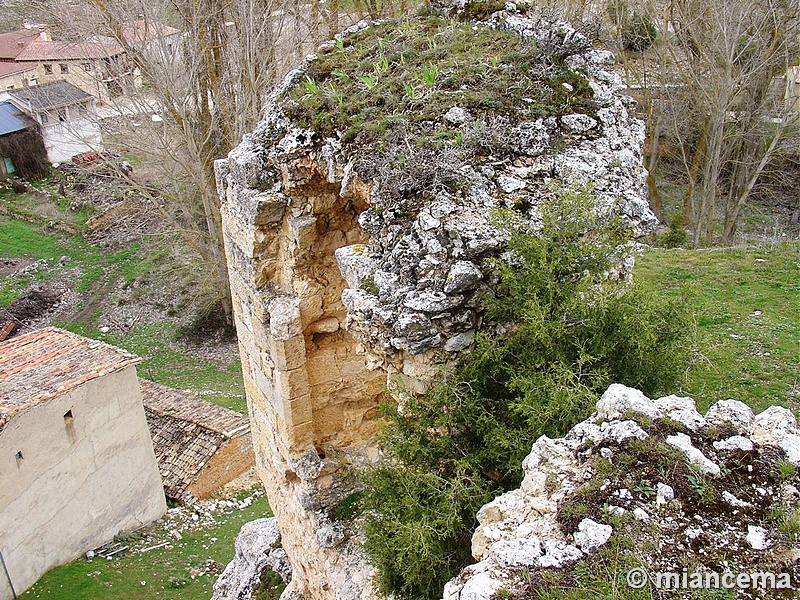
(565, 331)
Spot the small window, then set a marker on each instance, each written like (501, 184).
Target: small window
(68, 418)
(48, 69)
(64, 68)
(34, 82)
(11, 87)
(44, 119)
(62, 114)
(9, 164)
(19, 456)
(87, 67)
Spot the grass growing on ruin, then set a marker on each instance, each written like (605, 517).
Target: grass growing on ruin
(748, 319)
(422, 67)
(160, 574)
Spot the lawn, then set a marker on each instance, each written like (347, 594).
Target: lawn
(748, 319)
(177, 572)
(175, 364)
(166, 360)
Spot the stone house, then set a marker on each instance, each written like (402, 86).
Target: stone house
(16, 75)
(67, 116)
(76, 461)
(158, 42)
(98, 68)
(199, 446)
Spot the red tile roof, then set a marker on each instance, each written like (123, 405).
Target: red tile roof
(187, 431)
(10, 68)
(188, 407)
(49, 362)
(37, 50)
(14, 42)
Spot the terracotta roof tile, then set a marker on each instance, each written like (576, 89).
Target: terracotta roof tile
(188, 407)
(182, 450)
(143, 31)
(48, 362)
(14, 42)
(186, 431)
(38, 50)
(10, 68)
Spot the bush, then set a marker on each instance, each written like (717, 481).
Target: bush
(674, 237)
(639, 33)
(568, 332)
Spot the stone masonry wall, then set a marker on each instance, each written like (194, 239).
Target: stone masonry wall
(311, 397)
(340, 298)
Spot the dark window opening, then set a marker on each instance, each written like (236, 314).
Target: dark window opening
(68, 418)
(87, 67)
(62, 114)
(19, 456)
(64, 68)
(48, 69)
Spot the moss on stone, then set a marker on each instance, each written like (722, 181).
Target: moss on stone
(406, 74)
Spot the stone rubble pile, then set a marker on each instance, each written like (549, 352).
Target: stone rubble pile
(521, 528)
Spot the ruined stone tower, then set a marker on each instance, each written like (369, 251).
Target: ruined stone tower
(357, 242)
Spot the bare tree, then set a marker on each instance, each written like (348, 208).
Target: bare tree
(208, 89)
(720, 65)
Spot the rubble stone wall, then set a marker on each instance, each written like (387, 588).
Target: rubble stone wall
(340, 297)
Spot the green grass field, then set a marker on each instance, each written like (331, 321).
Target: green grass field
(747, 306)
(160, 574)
(748, 319)
(165, 360)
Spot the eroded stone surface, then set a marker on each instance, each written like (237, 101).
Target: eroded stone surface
(521, 528)
(342, 290)
(257, 547)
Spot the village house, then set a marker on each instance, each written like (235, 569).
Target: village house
(77, 465)
(99, 68)
(22, 150)
(158, 43)
(66, 114)
(16, 75)
(199, 446)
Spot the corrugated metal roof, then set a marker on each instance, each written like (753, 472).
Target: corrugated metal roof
(9, 119)
(49, 95)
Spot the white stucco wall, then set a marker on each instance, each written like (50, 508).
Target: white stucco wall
(77, 485)
(76, 135)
